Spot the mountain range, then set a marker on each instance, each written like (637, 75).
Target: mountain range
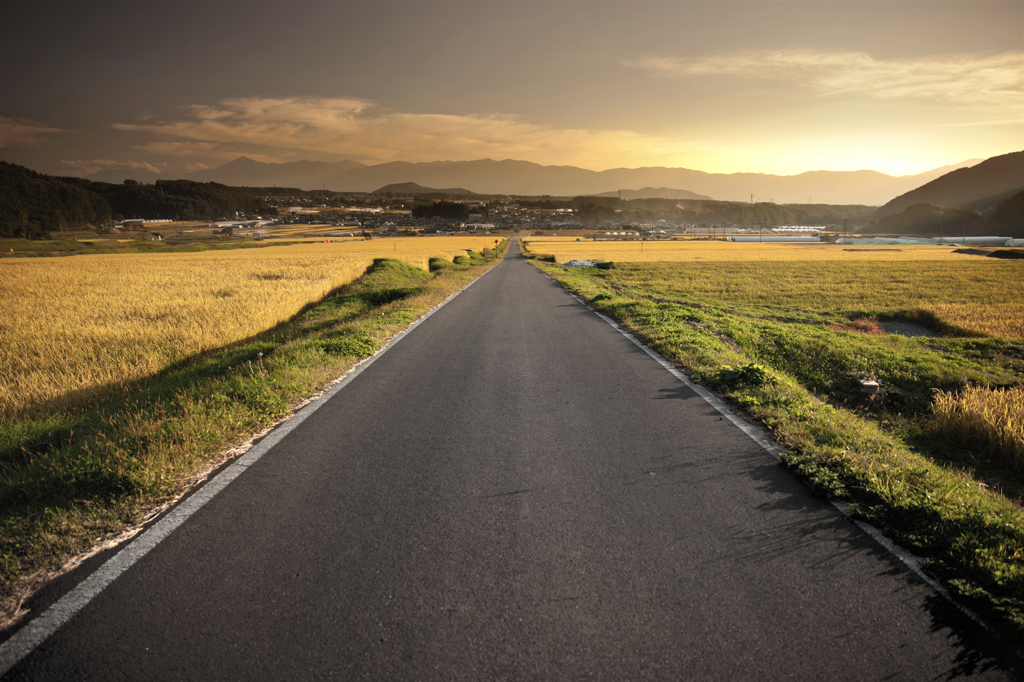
(985, 198)
(245, 172)
(980, 188)
(411, 188)
(487, 176)
(654, 193)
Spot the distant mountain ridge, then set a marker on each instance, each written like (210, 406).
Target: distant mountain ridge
(981, 188)
(487, 176)
(245, 172)
(117, 176)
(511, 177)
(413, 188)
(654, 193)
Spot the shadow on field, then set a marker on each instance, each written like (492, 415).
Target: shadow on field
(979, 651)
(77, 410)
(682, 392)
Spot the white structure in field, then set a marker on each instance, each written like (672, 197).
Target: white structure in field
(799, 228)
(774, 239)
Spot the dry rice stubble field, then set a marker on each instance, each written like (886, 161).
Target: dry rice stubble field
(78, 328)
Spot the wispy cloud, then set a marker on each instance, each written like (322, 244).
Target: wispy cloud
(289, 128)
(90, 166)
(995, 80)
(178, 148)
(23, 133)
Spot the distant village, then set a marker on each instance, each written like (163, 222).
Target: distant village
(408, 209)
(371, 216)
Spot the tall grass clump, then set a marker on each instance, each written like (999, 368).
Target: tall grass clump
(990, 418)
(437, 263)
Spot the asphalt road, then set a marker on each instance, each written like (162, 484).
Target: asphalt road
(515, 491)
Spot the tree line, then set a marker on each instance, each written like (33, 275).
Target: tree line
(596, 209)
(34, 206)
(445, 210)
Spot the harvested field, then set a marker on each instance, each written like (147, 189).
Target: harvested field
(77, 328)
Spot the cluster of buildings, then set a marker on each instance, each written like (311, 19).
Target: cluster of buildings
(393, 215)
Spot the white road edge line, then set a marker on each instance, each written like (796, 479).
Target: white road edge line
(912, 562)
(38, 629)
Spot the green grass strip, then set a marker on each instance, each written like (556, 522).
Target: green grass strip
(797, 372)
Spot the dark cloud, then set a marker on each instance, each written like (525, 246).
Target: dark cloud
(132, 79)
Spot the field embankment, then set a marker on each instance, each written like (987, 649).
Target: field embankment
(77, 472)
(928, 454)
(81, 328)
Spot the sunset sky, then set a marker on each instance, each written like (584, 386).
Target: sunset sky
(724, 86)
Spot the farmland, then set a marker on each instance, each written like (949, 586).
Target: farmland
(702, 250)
(78, 468)
(982, 296)
(78, 328)
(790, 334)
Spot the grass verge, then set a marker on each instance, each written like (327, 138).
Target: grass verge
(954, 503)
(76, 480)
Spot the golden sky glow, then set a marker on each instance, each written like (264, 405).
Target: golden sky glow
(766, 86)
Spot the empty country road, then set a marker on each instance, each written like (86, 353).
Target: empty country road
(516, 491)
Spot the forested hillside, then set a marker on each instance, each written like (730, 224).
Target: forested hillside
(34, 206)
(177, 199)
(1008, 219)
(982, 187)
(597, 209)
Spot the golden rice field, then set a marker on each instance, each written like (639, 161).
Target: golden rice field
(567, 248)
(992, 417)
(74, 325)
(981, 295)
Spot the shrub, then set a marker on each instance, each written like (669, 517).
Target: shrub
(437, 264)
(746, 375)
(356, 344)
